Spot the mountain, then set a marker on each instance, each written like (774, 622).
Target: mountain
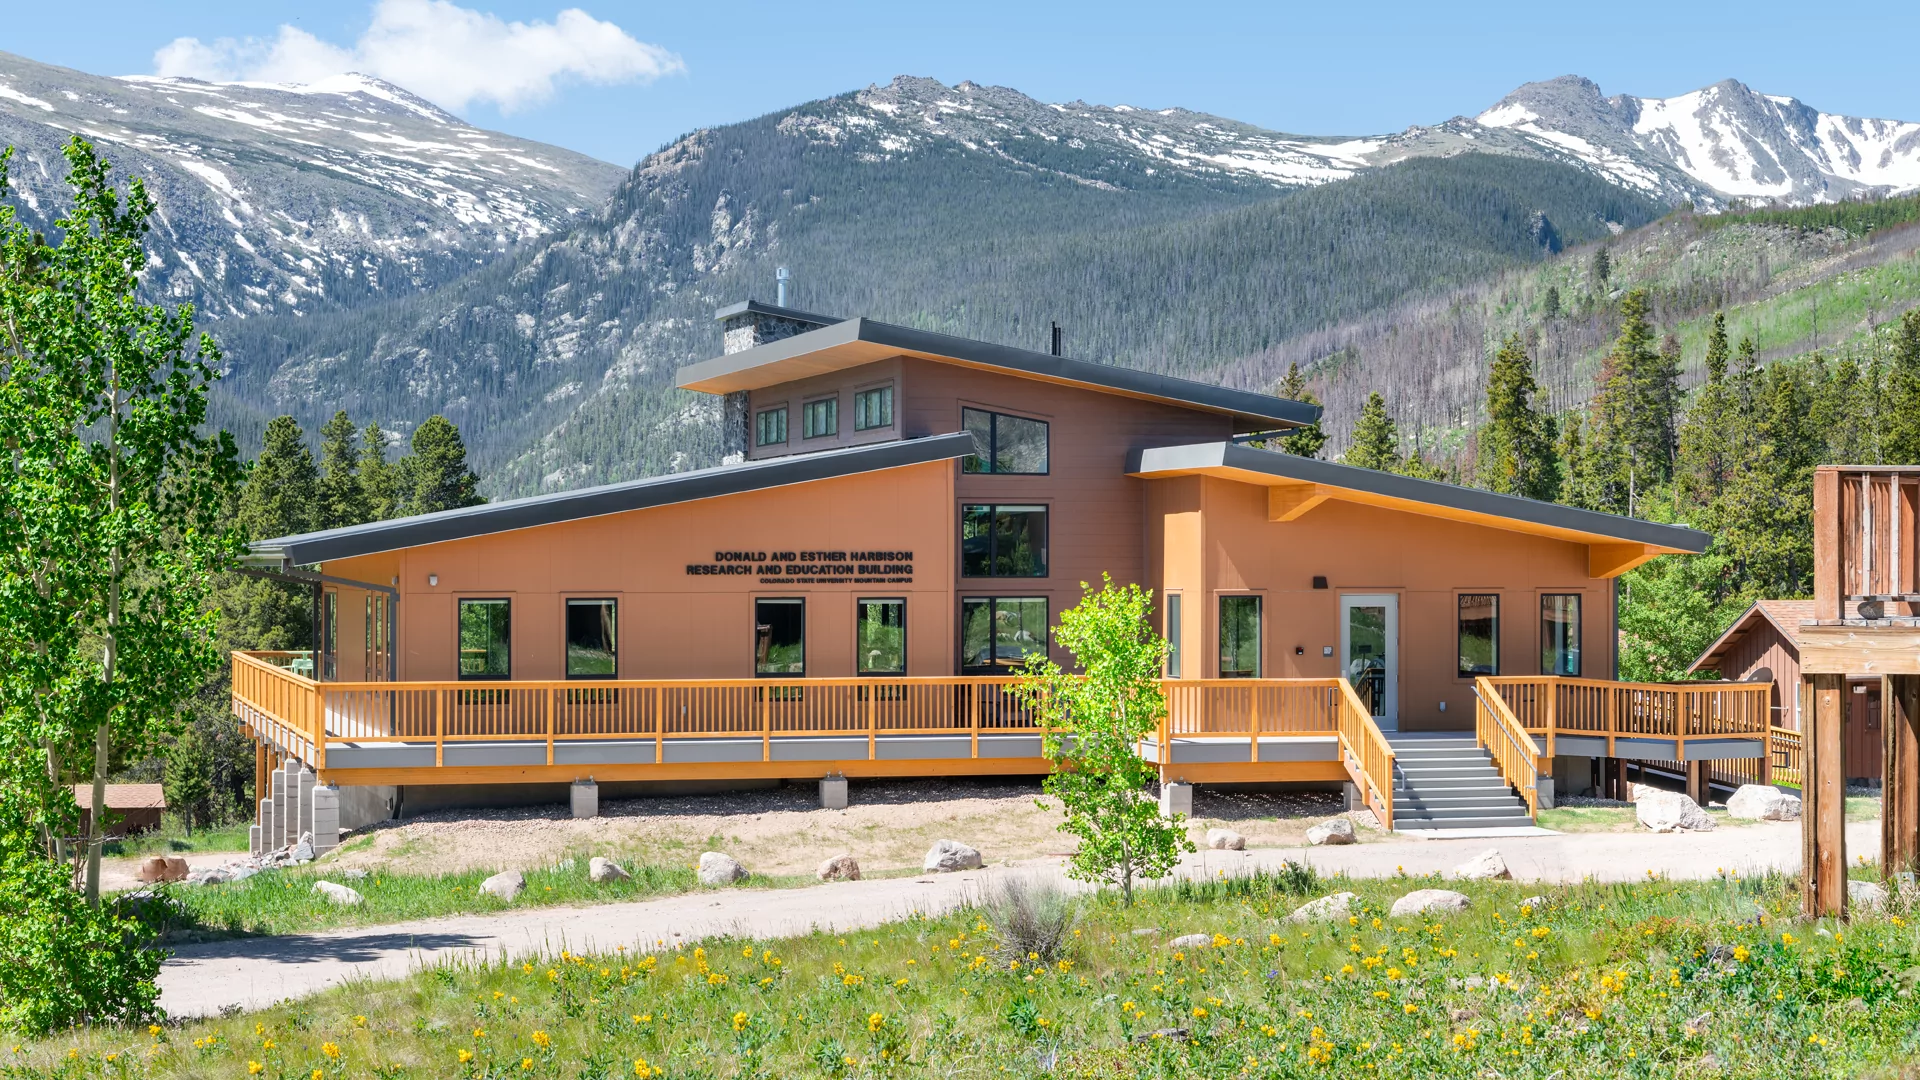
(1721, 143)
(558, 361)
(288, 199)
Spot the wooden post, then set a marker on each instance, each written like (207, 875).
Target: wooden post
(1823, 825)
(1829, 592)
(1621, 789)
(1900, 778)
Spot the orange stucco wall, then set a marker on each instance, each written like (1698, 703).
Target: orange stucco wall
(673, 625)
(1214, 537)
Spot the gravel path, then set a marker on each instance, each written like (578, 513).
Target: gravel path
(205, 979)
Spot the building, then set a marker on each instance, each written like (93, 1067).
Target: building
(131, 808)
(1763, 645)
(902, 516)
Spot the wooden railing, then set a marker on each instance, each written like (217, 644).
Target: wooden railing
(1506, 739)
(1864, 541)
(1550, 706)
(1366, 753)
(305, 716)
(1786, 757)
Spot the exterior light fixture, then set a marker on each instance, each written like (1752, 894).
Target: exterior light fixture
(433, 580)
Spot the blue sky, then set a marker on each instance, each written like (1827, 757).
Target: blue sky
(623, 78)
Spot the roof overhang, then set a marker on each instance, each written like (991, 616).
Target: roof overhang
(1296, 485)
(856, 342)
(374, 537)
(1710, 658)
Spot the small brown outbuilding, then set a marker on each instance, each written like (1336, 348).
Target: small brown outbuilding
(131, 808)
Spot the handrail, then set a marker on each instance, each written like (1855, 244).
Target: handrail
(1786, 757)
(1366, 753)
(1514, 753)
(1555, 707)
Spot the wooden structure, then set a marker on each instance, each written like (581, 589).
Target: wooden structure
(1866, 599)
(1527, 721)
(1763, 645)
(131, 808)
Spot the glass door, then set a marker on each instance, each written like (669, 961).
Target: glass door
(1369, 646)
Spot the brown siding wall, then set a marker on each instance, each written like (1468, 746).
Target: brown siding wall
(1765, 653)
(1426, 562)
(673, 625)
(841, 385)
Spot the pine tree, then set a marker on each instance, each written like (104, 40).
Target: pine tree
(1515, 454)
(379, 480)
(280, 496)
(1376, 442)
(1602, 268)
(1306, 441)
(1707, 436)
(1901, 444)
(435, 474)
(1578, 486)
(341, 501)
(1552, 304)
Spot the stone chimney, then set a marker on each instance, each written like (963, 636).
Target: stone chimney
(744, 326)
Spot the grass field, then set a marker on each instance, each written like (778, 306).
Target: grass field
(1654, 979)
(172, 839)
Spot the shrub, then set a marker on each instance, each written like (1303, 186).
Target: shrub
(1032, 920)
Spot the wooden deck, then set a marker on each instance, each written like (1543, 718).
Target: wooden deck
(1724, 728)
(1216, 730)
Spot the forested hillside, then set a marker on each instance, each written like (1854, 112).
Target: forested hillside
(559, 363)
(1834, 277)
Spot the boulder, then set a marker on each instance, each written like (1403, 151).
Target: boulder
(1763, 802)
(1191, 941)
(1327, 908)
(1866, 895)
(718, 869)
(839, 868)
(337, 894)
(1332, 831)
(507, 885)
(353, 873)
(301, 852)
(1226, 840)
(156, 868)
(600, 871)
(1668, 811)
(946, 856)
(1534, 902)
(1430, 902)
(1483, 867)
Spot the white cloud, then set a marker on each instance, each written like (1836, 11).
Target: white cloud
(450, 55)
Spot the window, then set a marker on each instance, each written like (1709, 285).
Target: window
(880, 637)
(1003, 541)
(873, 408)
(1479, 626)
(998, 633)
(1560, 634)
(1239, 637)
(485, 639)
(592, 649)
(820, 418)
(1010, 444)
(331, 642)
(1173, 635)
(770, 427)
(780, 636)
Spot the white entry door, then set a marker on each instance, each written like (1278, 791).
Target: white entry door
(1369, 652)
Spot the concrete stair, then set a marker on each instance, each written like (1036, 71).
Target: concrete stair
(1449, 782)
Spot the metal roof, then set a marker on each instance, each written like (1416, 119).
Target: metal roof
(1255, 465)
(377, 536)
(853, 342)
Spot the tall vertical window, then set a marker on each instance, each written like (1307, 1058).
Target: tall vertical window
(1008, 444)
(820, 418)
(880, 637)
(1173, 635)
(486, 639)
(780, 636)
(1239, 637)
(873, 408)
(330, 638)
(1479, 634)
(770, 427)
(592, 648)
(1003, 541)
(998, 633)
(376, 653)
(1560, 634)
